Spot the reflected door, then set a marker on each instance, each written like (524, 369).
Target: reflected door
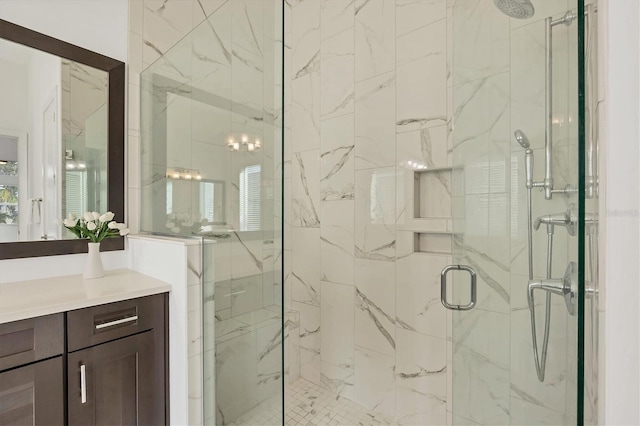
(51, 173)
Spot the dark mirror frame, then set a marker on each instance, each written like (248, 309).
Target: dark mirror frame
(116, 190)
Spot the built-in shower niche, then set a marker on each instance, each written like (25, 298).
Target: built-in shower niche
(432, 193)
(432, 204)
(432, 242)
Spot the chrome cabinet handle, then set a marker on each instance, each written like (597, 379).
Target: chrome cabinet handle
(443, 287)
(116, 322)
(83, 383)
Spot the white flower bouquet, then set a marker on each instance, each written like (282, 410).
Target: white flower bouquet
(95, 226)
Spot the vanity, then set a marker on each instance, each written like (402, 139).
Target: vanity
(81, 352)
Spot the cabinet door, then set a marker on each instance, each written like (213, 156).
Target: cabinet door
(116, 383)
(33, 394)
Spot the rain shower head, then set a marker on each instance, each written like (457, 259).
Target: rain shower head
(522, 139)
(519, 9)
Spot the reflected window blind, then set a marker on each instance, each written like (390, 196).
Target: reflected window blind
(207, 201)
(76, 192)
(250, 217)
(169, 206)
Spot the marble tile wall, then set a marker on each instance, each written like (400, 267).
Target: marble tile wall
(366, 105)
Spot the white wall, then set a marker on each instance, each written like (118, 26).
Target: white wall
(621, 221)
(98, 25)
(13, 103)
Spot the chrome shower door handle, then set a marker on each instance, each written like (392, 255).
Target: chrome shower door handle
(443, 287)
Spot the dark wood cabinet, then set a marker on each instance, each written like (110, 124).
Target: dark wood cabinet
(32, 395)
(116, 363)
(116, 360)
(119, 382)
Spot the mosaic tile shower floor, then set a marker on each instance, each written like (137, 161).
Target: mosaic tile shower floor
(310, 405)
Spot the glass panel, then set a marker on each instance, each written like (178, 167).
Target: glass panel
(515, 96)
(211, 166)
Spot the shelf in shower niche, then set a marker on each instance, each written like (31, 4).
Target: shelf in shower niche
(432, 193)
(432, 242)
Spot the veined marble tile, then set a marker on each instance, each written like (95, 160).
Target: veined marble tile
(374, 384)
(525, 412)
(525, 385)
(309, 341)
(305, 112)
(481, 40)
(337, 324)
(336, 242)
(482, 119)
(306, 189)
(374, 37)
(413, 14)
(204, 9)
(269, 362)
(292, 346)
(165, 23)
(236, 372)
(421, 381)
(246, 294)
(247, 78)
(305, 272)
(418, 294)
(421, 94)
(493, 277)
(337, 158)
(248, 25)
(434, 194)
(339, 380)
(212, 53)
(335, 17)
(375, 306)
(374, 127)
(305, 38)
(528, 83)
(481, 366)
(375, 214)
(428, 147)
(337, 83)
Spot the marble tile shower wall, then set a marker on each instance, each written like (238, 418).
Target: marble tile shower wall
(374, 89)
(366, 105)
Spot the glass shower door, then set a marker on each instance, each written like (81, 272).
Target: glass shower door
(514, 91)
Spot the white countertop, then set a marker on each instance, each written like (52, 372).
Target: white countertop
(27, 299)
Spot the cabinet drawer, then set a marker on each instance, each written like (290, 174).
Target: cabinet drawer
(18, 340)
(99, 324)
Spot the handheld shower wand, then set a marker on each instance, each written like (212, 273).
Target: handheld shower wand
(522, 139)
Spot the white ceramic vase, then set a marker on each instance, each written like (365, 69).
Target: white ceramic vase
(93, 267)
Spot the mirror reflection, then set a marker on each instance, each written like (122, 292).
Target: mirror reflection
(53, 142)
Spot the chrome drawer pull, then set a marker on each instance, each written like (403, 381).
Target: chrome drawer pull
(116, 322)
(83, 384)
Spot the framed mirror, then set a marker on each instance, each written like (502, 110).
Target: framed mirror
(61, 141)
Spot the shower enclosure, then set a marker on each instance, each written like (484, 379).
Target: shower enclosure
(397, 203)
